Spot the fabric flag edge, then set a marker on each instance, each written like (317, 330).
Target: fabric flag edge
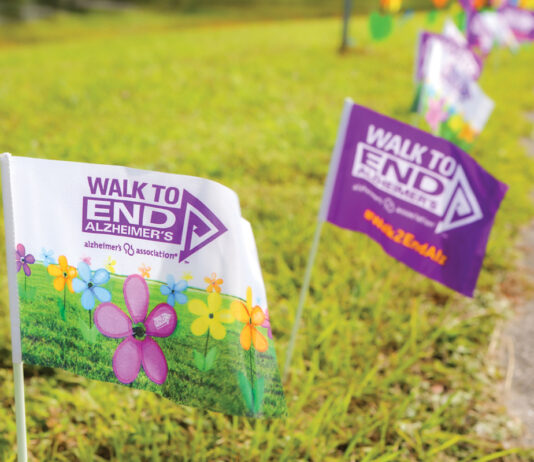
(335, 159)
(9, 225)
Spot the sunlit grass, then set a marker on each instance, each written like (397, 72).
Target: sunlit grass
(388, 365)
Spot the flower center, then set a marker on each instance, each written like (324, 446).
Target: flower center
(210, 315)
(22, 259)
(172, 291)
(90, 284)
(139, 331)
(65, 274)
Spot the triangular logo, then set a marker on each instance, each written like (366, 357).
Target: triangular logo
(201, 226)
(463, 208)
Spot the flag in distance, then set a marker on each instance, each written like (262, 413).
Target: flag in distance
(456, 56)
(424, 200)
(520, 21)
(453, 104)
(487, 29)
(146, 279)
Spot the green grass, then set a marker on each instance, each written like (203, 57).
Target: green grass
(388, 365)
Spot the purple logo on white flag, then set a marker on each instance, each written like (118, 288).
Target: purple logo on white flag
(151, 212)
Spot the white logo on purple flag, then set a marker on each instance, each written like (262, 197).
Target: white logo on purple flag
(424, 200)
(425, 178)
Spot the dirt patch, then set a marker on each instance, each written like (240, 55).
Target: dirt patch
(517, 338)
(517, 351)
(528, 144)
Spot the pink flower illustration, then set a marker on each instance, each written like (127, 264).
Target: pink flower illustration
(436, 114)
(267, 323)
(137, 348)
(87, 260)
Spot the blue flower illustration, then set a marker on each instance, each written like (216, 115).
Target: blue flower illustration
(174, 291)
(48, 257)
(89, 282)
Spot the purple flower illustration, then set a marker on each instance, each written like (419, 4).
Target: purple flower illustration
(24, 260)
(137, 348)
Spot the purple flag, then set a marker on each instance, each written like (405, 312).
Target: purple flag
(458, 58)
(485, 29)
(424, 200)
(520, 21)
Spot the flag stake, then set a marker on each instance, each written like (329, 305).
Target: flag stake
(20, 414)
(347, 6)
(302, 297)
(323, 214)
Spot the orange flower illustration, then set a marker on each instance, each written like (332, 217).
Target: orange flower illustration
(214, 284)
(467, 133)
(63, 273)
(252, 317)
(144, 270)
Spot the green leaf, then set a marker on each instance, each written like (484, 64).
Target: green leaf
(199, 360)
(28, 293)
(88, 333)
(178, 331)
(432, 16)
(380, 25)
(246, 390)
(61, 307)
(210, 358)
(259, 388)
(417, 98)
(459, 19)
(94, 332)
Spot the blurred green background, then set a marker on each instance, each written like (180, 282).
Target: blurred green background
(389, 366)
(259, 8)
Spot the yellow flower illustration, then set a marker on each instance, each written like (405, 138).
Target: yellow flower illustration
(391, 6)
(210, 317)
(456, 123)
(110, 265)
(187, 276)
(63, 273)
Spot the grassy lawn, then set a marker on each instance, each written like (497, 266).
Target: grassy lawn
(388, 366)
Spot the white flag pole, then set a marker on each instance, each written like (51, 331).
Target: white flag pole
(18, 372)
(302, 297)
(321, 218)
(20, 412)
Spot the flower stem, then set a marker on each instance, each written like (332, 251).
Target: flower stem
(206, 346)
(89, 318)
(25, 279)
(251, 379)
(65, 301)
